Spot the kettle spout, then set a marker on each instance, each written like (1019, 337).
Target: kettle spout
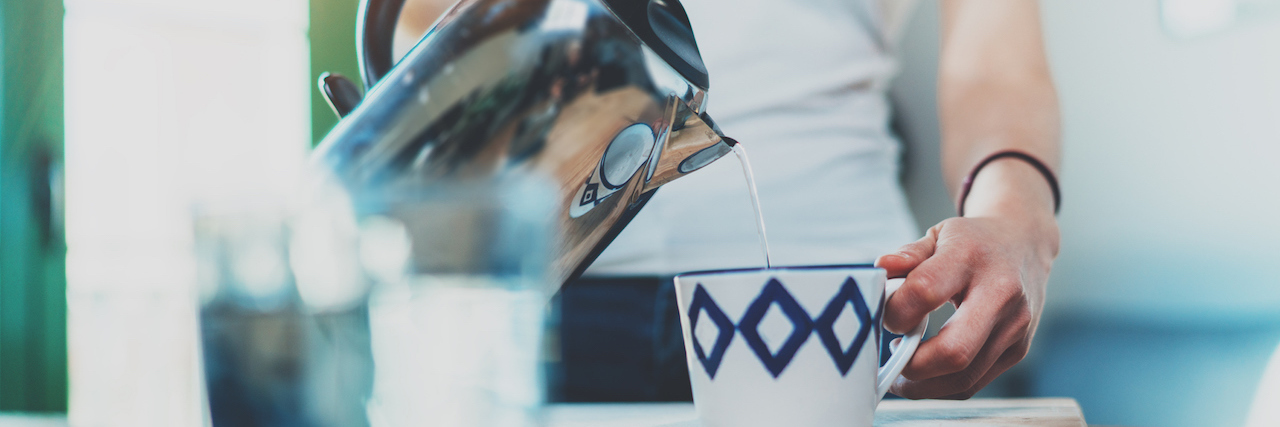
(693, 142)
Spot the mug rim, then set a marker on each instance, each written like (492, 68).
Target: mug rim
(778, 268)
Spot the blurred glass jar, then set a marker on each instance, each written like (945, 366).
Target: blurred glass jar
(283, 322)
(443, 289)
(459, 310)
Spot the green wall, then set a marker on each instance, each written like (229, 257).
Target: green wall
(33, 337)
(333, 49)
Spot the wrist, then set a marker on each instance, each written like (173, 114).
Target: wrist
(1015, 196)
(1013, 189)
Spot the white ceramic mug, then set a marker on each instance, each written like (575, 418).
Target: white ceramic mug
(788, 346)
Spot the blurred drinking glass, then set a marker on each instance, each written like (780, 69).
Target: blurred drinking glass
(459, 308)
(283, 320)
(291, 330)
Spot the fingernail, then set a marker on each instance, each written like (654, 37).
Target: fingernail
(893, 255)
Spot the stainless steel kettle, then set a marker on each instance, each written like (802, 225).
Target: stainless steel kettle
(605, 97)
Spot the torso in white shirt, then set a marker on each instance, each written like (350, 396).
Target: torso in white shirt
(801, 84)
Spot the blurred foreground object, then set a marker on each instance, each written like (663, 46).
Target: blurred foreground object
(449, 333)
(284, 330)
(459, 308)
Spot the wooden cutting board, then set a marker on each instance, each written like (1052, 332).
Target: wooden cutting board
(1055, 412)
(1048, 412)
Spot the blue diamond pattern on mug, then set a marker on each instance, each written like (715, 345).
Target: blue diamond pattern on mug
(702, 303)
(775, 294)
(825, 325)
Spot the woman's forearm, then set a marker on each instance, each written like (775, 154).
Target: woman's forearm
(995, 93)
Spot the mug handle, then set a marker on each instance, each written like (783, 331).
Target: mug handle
(902, 353)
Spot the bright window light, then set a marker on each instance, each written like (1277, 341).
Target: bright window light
(167, 102)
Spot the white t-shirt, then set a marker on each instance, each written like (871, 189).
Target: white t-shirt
(801, 84)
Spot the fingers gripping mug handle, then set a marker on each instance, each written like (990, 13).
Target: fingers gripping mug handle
(901, 354)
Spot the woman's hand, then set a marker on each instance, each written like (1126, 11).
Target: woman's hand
(993, 265)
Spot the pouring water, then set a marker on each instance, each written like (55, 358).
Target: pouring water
(741, 152)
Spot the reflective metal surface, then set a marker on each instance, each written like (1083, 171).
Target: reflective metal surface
(559, 88)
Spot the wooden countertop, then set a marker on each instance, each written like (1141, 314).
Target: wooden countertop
(1039, 412)
(1055, 412)
(1047, 412)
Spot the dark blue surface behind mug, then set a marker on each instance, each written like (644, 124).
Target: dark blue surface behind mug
(619, 341)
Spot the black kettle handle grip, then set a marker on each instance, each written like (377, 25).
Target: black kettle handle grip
(375, 31)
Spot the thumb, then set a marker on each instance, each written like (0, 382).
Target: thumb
(909, 256)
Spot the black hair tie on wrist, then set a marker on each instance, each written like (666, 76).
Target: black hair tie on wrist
(1040, 166)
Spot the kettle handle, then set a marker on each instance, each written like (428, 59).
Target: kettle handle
(375, 30)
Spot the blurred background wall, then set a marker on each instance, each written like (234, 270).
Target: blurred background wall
(1163, 304)
(332, 33)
